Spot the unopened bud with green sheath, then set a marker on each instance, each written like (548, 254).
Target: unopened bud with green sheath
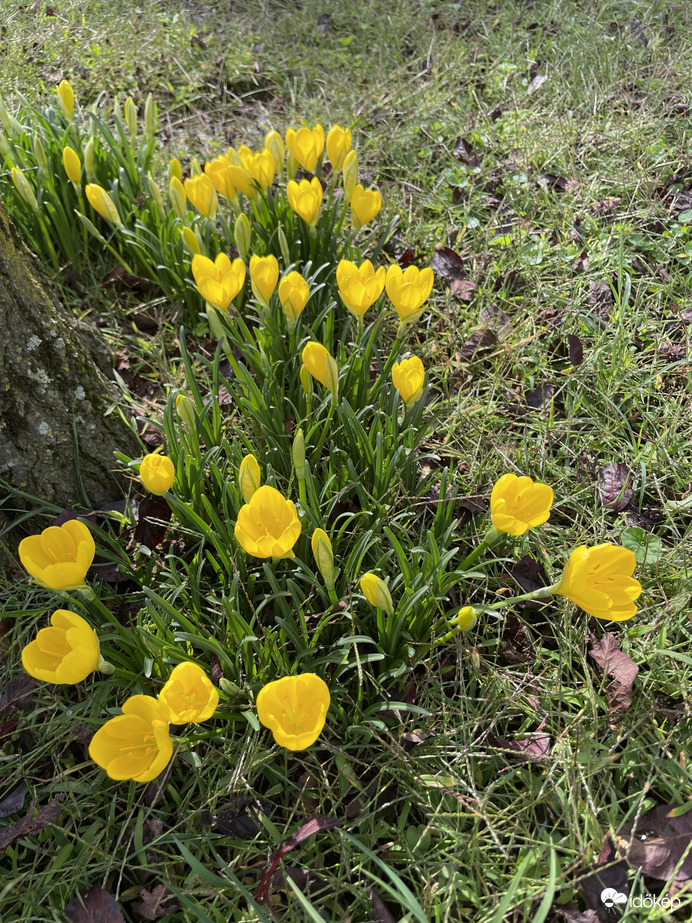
(249, 477)
(324, 557)
(242, 233)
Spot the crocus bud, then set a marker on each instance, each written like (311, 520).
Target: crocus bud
(298, 452)
(176, 194)
(150, 118)
(306, 381)
(175, 169)
(24, 189)
(241, 234)
(190, 241)
(467, 617)
(291, 166)
(66, 99)
(91, 227)
(283, 246)
(249, 477)
(8, 121)
(377, 592)
(324, 556)
(273, 142)
(186, 411)
(131, 118)
(102, 203)
(89, 161)
(155, 193)
(72, 165)
(350, 170)
(4, 146)
(40, 153)
(117, 111)
(195, 167)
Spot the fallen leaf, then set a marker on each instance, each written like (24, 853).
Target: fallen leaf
(600, 299)
(576, 350)
(154, 904)
(477, 343)
(619, 670)
(517, 645)
(463, 289)
(464, 152)
(530, 574)
(656, 845)
(447, 263)
(380, 911)
(536, 83)
(608, 874)
(14, 801)
(496, 319)
(541, 395)
(616, 486)
(17, 694)
(552, 181)
(94, 906)
(534, 748)
(29, 825)
(154, 512)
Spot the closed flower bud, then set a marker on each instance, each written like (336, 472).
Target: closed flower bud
(90, 161)
(91, 227)
(8, 121)
(294, 292)
(66, 653)
(131, 117)
(157, 473)
(242, 233)
(66, 99)
(176, 194)
(294, 709)
(40, 153)
(155, 193)
(264, 274)
(150, 118)
(273, 143)
(72, 165)
(409, 377)
(136, 745)
(350, 168)
(338, 145)
(23, 187)
(306, 381)
(291, 166)
(324, 556)
(190, 241)
(467, 617)
(175, 169)
(298, 453)
(249, 477)
(189, 695)
(305, 198)
(201, 192)
(102, 203)
(518, 504)
(283, 246)
(377, 592)
(365, 205)
(322, 366)
(186, 411)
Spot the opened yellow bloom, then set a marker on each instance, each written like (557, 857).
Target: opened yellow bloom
(102, 203)
(294, 292)
(305, 198)
(137, 744)
(268, 526)
(294, 709)
(60, 556)
(408, 290)
(157, 473)
(306, 146)
(64, 654)
(518, 504)
(338, 146)
(249, 477)
(255, 172)
(409, 377)
(264, 274)
(359, 286)
(219, 172)
(201, 192)
(365, 205)
(377, 592)
(599, 580)
(219, 281)
(321, 365)
(189, 695)
(72, 164)
(66, 99)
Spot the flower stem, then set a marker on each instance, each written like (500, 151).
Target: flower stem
(488, 541)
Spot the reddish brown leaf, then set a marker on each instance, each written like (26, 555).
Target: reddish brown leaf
(462, 289)
(14, 801)
(17, 695)
(464, 152)
(380, 911)
(29, 825)
(154, 904)
(448, 264)
(541, 395)
(600, 299)
(576, 350)
(656, 845)
(534, 748)
(496, 319)
(477, 343)
(94, 906)
(148, 531)
(619, 670)
(616, 486)
(530, 574)
(517, 647)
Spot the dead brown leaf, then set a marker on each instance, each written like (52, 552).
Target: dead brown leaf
(656, 845)
(619, 670)
(616, 486)
(154, 904)
(94, 906)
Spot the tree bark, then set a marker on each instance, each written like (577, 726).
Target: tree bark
(56, 439)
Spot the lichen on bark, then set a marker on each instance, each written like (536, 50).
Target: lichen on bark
(55, 382)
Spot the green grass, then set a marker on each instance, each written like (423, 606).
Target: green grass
(453, 827)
